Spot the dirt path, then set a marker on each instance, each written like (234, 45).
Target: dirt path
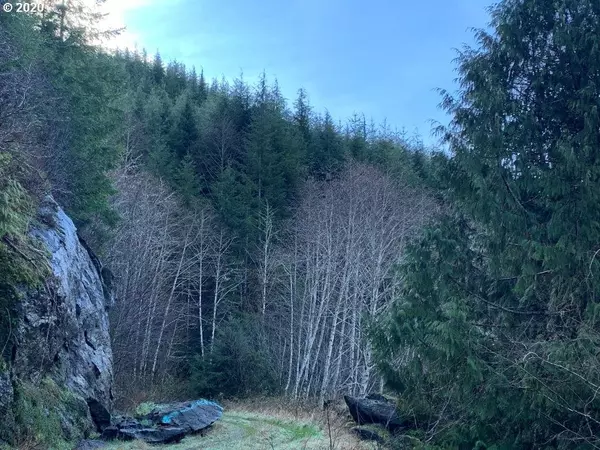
(239, 430)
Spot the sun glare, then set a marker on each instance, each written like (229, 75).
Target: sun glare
(116, 14)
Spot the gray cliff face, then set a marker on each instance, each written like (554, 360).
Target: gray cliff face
(63, 329)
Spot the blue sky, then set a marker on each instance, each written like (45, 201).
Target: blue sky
(384, 58)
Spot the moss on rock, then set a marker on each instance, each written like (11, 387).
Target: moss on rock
(50, 416)
(7, 420)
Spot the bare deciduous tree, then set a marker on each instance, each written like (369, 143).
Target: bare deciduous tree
(163, 257)
(344, 242)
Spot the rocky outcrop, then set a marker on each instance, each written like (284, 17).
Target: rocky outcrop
(61, 330)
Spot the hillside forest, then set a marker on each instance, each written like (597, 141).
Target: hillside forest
(259, 247)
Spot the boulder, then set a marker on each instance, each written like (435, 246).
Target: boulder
(157, 435)
(119, 423)
(126, 422)
(191, 416)
(375, 409)
(165, 424)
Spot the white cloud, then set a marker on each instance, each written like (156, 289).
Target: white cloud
(116, 11)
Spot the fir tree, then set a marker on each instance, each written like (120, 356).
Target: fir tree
(184, 136)
(158, 70)
(496, 324)
(326, 152)
(302, 116)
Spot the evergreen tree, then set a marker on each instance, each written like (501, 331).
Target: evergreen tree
(202, 88)
(184, 136)
(89, 82)
(272, 151)
(175, 79)
(220, 138)
(326, 152)
(494, 337)
(158, 70)
(157, 112)
(239, 106)
(234, 201)
(186, 180)
(356, 135)
(192, 84)
(303, 118)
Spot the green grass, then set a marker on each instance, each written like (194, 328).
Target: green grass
(240, 430)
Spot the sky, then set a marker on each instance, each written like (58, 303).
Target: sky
(383, 58)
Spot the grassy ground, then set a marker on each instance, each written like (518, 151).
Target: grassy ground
(249, 427)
